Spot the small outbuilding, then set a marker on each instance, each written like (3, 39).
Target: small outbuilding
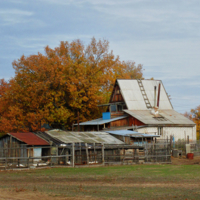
(22, 145)
(133, 137)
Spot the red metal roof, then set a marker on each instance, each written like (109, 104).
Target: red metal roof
(29, 138)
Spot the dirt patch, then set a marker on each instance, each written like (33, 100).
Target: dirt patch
(185, 161)
(22, 194)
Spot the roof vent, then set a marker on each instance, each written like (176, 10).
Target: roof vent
(155, 112)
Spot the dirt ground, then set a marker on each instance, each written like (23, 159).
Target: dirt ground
(183, 161)
(179, 180)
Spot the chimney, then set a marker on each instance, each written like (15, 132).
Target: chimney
(158, 101)
(154, 96)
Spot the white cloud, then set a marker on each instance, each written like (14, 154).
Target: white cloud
(14, 16)
(15, 12)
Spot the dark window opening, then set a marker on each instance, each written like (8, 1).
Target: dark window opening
(160, 130)
(120, 108)
(113, 108)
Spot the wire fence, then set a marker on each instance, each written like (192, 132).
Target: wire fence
(83, 154)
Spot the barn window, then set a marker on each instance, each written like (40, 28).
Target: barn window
(117, 91)
(113, 108)
(119, 108)
(160, 130)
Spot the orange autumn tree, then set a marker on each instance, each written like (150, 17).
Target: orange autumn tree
(55, 88)
(194, 115)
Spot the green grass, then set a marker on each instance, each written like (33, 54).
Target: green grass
(118, 182)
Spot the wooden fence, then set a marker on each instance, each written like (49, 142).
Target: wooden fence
(76, 154)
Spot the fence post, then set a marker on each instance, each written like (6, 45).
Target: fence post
(102, 149)
(86, 150)
(95, 156)
(188, 141)
(6, 163)
(27, 161)
(171, 139)
(73, 155)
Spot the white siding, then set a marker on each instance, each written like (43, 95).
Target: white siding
(177, 132)
(37, 153)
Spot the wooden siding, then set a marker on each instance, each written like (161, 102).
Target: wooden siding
(14, 147)
(116, 95)
(135, 122)
(120, 122)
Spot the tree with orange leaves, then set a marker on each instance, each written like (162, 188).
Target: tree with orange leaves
(194, 115)
(55, 88)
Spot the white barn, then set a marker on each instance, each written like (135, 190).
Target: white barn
(141, 97)
(143, 105)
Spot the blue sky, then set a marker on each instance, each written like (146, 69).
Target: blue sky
(164, 36)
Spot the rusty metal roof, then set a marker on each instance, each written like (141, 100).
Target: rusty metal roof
(29, 138)
(83, 137)
(166, 117)
(133, 98)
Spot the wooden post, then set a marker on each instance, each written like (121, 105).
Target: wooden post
(95, 156)
(80, 153)
(102, 149)
(51, 157)
(123, 156)
(73, 155)
(66, 158)
(146, 152)
(86, 149)
(171, 141)
(6, 162)
(10, 152)
(188, 141)
(57, 155)
(27, 161)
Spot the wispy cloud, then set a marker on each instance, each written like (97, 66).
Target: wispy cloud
(14, 16)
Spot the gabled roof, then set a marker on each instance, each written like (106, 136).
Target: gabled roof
(29, 138)
(166, 117)
(133, 97)
(83, 137)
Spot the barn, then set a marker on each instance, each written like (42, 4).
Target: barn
(143, 106)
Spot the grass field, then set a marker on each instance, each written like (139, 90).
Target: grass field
(116, 182)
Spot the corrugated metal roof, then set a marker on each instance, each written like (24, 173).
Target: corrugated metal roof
(101, 121)
(131, 134)
(133, 98)
(170, 116)
(85, 137)
(29, 138)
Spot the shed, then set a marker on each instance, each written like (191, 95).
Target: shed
(133, 137)
(21, 145)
